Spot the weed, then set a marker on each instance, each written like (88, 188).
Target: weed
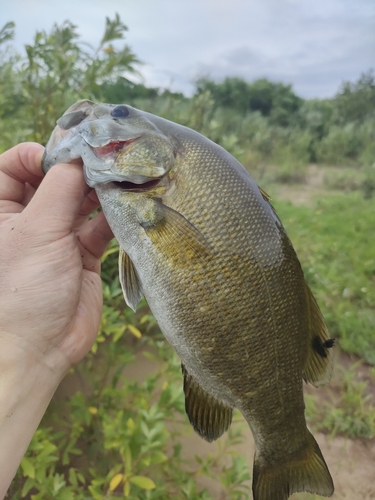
(349, 412)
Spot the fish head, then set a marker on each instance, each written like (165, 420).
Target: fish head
(116, 143)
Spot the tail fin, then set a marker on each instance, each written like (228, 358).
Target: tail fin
(308, 472)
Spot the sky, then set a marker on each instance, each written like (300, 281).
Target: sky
(312, 44)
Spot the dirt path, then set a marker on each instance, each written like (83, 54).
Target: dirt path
(307, 193)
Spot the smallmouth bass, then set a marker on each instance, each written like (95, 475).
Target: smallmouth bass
(200, 240)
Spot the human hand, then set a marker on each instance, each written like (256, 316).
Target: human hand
(50, 287)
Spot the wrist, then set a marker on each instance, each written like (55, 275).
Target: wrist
(27, 372)
(27, 384)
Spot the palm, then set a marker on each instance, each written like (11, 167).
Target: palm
(51, 264)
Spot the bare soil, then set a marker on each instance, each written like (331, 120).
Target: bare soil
(313, 186)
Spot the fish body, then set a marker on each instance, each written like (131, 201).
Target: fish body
(201, 241)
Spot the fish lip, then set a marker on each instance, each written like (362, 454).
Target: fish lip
(136, 187)
(111, 148)
(132, 183)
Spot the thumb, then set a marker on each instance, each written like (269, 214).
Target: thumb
(56, 203)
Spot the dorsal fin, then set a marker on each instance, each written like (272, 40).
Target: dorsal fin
(209, 416)
(265, 195)
(319, 363)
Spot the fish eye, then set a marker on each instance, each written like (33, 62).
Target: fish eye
(120, 112)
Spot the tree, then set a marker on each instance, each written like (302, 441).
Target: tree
(58, 71)
(271, 99)
(356, 101)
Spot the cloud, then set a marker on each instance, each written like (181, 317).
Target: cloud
(313, 44)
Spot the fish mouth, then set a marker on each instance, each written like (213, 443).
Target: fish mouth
(112, 148)
(140, 187)
(107, 155)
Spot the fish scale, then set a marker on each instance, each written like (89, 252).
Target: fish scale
(207, 250)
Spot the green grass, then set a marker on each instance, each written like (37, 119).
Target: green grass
(335, 243)
(348, 410)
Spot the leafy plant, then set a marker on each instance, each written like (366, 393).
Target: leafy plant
(57, 71)
(350, 412)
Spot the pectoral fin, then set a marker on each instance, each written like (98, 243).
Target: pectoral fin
(209, 416)
(130, 284)
(174, 235)
(319, 363)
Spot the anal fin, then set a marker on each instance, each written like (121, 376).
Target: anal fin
(319, 363)
(130, 284)
(209, 417)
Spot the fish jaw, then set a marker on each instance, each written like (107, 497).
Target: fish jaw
(138, 160)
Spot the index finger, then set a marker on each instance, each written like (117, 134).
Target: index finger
(18, 166)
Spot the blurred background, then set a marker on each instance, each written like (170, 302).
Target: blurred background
(288, 88)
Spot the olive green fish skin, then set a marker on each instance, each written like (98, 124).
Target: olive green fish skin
(238, 319)
(237, 309)
(234, 304)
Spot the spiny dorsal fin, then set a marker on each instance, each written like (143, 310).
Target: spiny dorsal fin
(306, 471)
(319, 363)
(267, 198)
(175, 236)
(209, 416)
(265, 195)
(130, 284)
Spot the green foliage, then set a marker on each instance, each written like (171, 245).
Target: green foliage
(275, 100)
(290, 156)
(368, 183)
(7, 32)
(343, 179)
(355, 102)
(119, 441)
(125, 91)
(10, 91)
(335, 132)
(56, 72)
(342, 145)
(262, 123)
(350, 412)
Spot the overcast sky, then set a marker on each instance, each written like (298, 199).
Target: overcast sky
(312, 44)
